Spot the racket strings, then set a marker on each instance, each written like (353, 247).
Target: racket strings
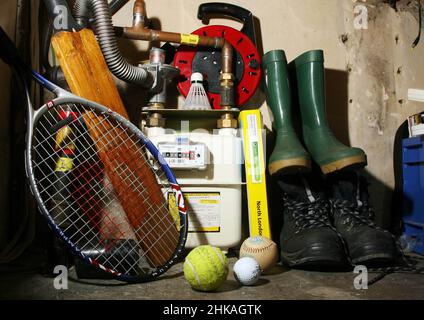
(125, 150)
(90, 167)
(45, 140)
(126, 167)
(109, 202)
(147, 221)
(153, 228)
(166, 219)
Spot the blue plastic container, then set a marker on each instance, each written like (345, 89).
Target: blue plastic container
(413, 190)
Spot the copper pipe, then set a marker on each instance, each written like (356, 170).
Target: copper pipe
(139, 32)
(227, 57)
(139, 14)
(136, 33)
(140, 7)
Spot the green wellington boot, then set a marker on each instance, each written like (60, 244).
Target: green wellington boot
(288, 156)
(330, 154)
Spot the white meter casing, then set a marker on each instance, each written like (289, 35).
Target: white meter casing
(208, 168)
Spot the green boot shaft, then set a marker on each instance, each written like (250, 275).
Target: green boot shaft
(311, 88)
(277, 89)
(288, 155)
(330, 154)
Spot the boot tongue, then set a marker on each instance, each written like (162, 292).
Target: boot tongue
(303, 188)
(348, 186)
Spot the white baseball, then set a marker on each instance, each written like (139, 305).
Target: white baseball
(247, 271)
(263, 250)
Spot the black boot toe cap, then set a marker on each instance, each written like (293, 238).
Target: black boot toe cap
(318, 247)
(371, 247)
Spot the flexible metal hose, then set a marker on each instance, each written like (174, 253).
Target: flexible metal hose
(108, 43)
(81, 12)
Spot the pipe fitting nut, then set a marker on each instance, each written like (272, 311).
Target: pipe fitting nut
(227, 121)
(226, 77)
(156, 120)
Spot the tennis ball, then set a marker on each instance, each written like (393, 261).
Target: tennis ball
(206, 268)
(247, 271)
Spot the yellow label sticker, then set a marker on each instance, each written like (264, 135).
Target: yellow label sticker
(206, 229)
(64, 164)
(204, 211)
(190, 39)
(209, 202)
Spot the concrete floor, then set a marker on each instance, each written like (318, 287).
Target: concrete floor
(282, 284)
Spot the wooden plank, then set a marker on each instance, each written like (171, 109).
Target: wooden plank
(86, 70)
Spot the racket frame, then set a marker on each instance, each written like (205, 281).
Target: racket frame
(65, 97)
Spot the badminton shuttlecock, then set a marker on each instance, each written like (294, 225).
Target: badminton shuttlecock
(196, 98)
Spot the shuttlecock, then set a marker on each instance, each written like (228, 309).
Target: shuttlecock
(197, 98)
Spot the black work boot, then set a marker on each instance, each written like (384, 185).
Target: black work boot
(307, 238)
(353, 218)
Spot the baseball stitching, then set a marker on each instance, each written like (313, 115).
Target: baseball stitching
(256, 250)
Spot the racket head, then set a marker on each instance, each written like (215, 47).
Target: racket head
(128, 231)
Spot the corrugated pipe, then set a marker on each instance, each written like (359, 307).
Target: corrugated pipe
(81, 12)
(108, 43)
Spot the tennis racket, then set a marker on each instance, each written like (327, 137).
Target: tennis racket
(86, 166)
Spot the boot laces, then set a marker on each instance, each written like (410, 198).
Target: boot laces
(355, 214)
(307, 215)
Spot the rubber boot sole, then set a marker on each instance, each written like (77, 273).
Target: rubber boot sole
(289, 166)
(356, 161)
(373, 255)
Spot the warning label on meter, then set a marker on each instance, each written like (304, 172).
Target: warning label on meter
(203, 211)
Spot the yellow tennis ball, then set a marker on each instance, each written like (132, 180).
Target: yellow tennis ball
(206, 268)
(263, 250)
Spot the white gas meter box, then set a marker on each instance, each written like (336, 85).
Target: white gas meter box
(208, 167)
